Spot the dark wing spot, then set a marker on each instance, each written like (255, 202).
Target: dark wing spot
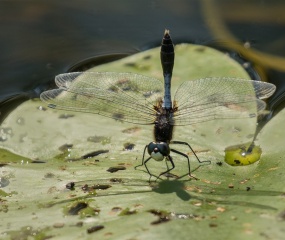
(118, 116)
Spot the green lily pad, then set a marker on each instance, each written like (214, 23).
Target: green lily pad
(224, 203)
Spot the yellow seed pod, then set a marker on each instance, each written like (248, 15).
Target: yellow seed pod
(240, 156)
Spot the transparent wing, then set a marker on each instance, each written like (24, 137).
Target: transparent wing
(219, 98)
(263, 89)
(123, 96)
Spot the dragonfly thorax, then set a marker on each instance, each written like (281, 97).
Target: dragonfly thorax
(158, 150)
(163, 126)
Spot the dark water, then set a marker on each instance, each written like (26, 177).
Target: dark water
(42, 39)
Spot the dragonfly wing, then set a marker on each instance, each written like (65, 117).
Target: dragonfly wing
(263, 89)
(219, 98)
(123, 96)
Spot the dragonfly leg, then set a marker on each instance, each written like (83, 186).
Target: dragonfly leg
(150, 175)
(185, 143)
(185, 155)
(168, 169)
(166, 160)
(142, 158)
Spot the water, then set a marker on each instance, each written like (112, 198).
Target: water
(140, 99)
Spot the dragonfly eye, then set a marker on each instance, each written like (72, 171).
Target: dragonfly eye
(158, 150)
(163, 148)
(150, 148)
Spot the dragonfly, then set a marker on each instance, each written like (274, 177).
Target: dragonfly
(145, 100)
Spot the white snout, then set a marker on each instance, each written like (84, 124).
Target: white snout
(157, 156)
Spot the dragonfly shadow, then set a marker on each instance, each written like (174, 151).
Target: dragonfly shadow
(166, 187)
(247, 204)
(176, 186)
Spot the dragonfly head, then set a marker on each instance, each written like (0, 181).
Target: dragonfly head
(158, 150)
